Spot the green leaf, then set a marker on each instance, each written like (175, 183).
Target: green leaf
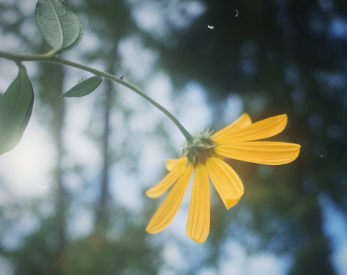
(16, 106)
(59, 26)
(84, 88)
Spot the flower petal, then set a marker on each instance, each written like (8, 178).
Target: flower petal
(159, 189)
(198, 226)
(227, 183)
(167, 211)
(261, 152)
(259, 130)
(171, 163)
(242, 121)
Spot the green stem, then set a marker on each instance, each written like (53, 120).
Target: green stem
(48, 58)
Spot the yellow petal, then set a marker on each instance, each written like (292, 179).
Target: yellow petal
(262, 129)
(171, 163)
(261, 152)
(242, 121)
(167, 211)
(198, 226)
(227, 183)
(159, 189)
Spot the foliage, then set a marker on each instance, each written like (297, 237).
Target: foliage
(15, 110)
(60, 27)
(84, 88)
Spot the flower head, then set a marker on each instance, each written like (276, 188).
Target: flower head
(204, 154)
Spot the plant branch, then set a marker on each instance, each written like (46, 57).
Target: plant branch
(48, 58)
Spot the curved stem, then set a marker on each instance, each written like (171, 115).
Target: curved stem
(48, 58)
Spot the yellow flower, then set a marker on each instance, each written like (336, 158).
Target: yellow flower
(204, 154)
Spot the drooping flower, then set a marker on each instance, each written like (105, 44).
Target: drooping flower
(204, 154)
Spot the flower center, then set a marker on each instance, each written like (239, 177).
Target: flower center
(199, 149)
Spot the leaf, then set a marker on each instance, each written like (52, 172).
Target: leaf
(84, 88)
(16, 106)
(59, 26)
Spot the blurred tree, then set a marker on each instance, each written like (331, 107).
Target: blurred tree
(119, 249)
(51, 88)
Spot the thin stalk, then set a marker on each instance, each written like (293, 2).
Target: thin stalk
(48, 58)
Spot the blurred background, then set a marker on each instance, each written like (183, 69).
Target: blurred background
(97, 155)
